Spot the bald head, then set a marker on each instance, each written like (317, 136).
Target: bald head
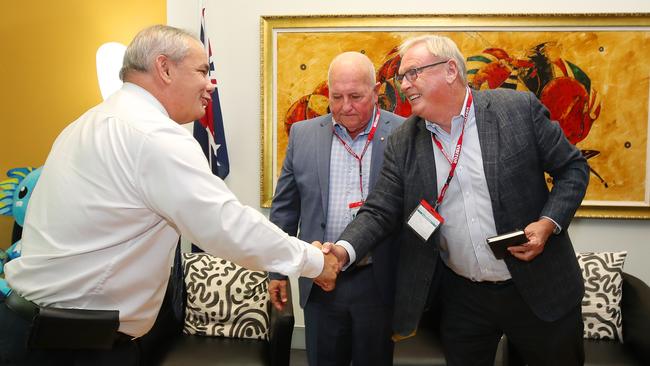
(352, 61)
(352, 91)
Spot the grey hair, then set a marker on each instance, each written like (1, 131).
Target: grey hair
(153, 41)
(439, 46)
(369, 65)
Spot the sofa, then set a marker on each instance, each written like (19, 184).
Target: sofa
(422, 349)
(635, 349)
(425, 348)
(609, 292)
(167, 345)
(616, 313)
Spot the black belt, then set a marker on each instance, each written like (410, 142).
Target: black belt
(495, 283)
(481, 283)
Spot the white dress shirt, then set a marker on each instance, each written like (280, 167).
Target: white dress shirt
(119, 186)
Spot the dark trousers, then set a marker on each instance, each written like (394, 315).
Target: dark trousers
(475, 315)
(349, 324)
(14, 351)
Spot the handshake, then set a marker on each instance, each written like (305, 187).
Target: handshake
(335, 257)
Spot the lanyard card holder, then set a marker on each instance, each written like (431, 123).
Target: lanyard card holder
(54, 328)
(424, 220)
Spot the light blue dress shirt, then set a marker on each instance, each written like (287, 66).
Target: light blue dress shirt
(466, 207)
(344, 178)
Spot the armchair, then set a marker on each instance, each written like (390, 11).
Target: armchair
(168, 346)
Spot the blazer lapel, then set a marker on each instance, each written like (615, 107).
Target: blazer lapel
(378, 144)
(488, 135)
(323, 154)
(426, 162)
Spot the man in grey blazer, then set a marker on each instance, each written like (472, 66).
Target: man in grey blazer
(501, 144)
(318, 193)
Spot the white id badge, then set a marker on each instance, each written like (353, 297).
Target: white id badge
(424, 220)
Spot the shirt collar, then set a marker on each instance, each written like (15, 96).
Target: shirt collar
(343, 132)
(142, 92)
(456, 120)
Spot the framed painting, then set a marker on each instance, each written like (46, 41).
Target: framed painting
(590, 71)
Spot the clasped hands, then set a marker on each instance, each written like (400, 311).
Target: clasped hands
(335, 257)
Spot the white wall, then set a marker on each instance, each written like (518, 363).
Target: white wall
(234, 30)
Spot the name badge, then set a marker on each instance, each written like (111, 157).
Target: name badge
(354, 208)
(424, 220)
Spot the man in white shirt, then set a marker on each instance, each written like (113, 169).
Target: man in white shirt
(118, 188)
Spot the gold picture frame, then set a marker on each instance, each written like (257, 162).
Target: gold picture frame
(602, 56)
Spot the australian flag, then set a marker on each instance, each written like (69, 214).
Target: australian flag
(208, 131)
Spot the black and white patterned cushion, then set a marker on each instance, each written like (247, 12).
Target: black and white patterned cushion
(601, 305)
(224, 299)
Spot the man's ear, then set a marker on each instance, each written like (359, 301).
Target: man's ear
(375, 91)
(452, 71)
(163, 65)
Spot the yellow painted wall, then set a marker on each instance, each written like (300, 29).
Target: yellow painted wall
(47, 70)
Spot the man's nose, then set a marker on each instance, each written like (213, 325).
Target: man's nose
(210, 86)
(347, 103)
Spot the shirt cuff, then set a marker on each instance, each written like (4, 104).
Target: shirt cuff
(314, 262)
(557, 229)
(351, 253)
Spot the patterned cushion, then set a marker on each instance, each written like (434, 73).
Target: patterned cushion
(601, 310)
(224, 299)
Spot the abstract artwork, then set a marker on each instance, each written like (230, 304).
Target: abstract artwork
(589, 71)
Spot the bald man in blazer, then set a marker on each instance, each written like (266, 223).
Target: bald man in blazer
(318, 184)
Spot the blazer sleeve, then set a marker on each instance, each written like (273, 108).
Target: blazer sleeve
(285, 207)
(563, 162)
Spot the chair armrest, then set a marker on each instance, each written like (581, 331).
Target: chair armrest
(635, 306)
(281, 331)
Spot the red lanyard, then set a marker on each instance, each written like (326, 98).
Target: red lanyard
(453, 162)
(359, 158)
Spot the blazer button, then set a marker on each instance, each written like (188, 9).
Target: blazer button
(322, 224)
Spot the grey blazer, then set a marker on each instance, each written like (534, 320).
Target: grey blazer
(301, 195)
(518, 144)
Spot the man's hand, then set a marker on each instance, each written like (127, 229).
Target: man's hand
(537, 234)
(327, 279)
(278, 293)
(340, 253)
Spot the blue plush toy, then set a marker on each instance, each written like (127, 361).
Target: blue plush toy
(14, 196)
